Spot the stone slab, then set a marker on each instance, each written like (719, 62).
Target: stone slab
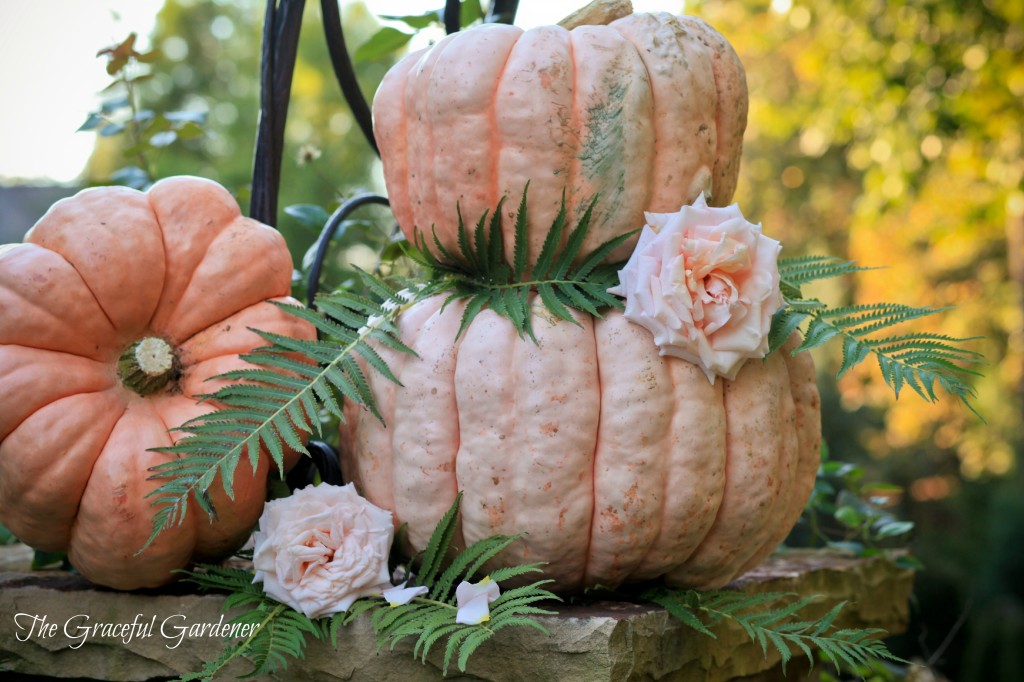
(590, 642)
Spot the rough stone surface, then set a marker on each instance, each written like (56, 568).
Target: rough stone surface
(593, 642)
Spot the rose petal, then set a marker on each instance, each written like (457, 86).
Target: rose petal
(466, 591)
(474, 611)
(399, 595)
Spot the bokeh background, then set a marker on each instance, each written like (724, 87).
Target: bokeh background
(887, 132)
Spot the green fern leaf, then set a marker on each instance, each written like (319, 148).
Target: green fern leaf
(471, 644)
(784, 323)
(551, 244)
(452, 646)
(596, 257)
(521, 243)
(573, 245)
(278, 404)
(428, 638)
(468, 561)
(855, 352)
(917, 359)
(554, 304)
(437, 546)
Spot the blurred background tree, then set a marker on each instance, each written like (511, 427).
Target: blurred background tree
(890, 133)
(208, 62)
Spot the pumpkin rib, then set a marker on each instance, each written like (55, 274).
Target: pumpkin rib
(746, 504)
(88, 288)
(536, 131)
(90, 373)
(180, 234)
(652, 174)
(426, 159)
(213, 342)
(615, 135)
(573, 167)
(804, 392)
(188, 283)
(109, 236)
(35, 320)
(52, 475)
(731, 106)
(631, 461)
(106, 535)
(495, 135)
(676, 177)
(422, 454)
(696, 454)
(761, 540)
(664, 502)
(391, 132)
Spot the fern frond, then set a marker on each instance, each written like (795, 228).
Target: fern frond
(919, 360)
(804, 269)
(430, 619)
(776, 628)
(485, 277)
(272, 406)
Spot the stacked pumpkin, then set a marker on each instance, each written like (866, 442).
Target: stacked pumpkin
(114, 312)
(617, 462)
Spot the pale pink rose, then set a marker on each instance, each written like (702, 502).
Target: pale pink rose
(705, 283)
(322, 548)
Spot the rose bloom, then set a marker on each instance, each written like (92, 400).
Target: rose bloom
(705, 283)
(322, 548)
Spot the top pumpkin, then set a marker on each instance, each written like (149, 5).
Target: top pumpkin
(645, 113)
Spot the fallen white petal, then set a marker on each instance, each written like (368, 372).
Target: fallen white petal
(400, 594)
(474, 599)
(474, 611)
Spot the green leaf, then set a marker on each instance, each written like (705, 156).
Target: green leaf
(894, 528)
(519, 256)
(381, 44)
(93, 121)
(469, 12)
(309, 215)
(164, 138)
(277, 404)
(437, 546)
(855, 352)
(417, 21)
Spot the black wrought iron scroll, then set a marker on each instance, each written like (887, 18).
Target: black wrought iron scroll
(282, 25)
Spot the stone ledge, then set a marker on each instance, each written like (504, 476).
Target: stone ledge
(593, 642)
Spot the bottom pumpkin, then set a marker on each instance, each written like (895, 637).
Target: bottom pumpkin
(618, 464)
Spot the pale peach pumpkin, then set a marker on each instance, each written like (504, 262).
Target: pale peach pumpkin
(178, 268)
(619, 464)
(645, 113)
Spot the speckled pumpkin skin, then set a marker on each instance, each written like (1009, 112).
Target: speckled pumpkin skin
(99, 271)
(619, 464)
(645, 113)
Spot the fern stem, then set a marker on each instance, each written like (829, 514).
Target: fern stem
(247, 642)
(501, 286)
(173, 511)
(435, 602)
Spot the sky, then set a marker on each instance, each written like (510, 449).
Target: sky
(50, 75)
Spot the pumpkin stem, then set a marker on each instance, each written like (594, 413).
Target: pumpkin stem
(147, 365)
(597, 13)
